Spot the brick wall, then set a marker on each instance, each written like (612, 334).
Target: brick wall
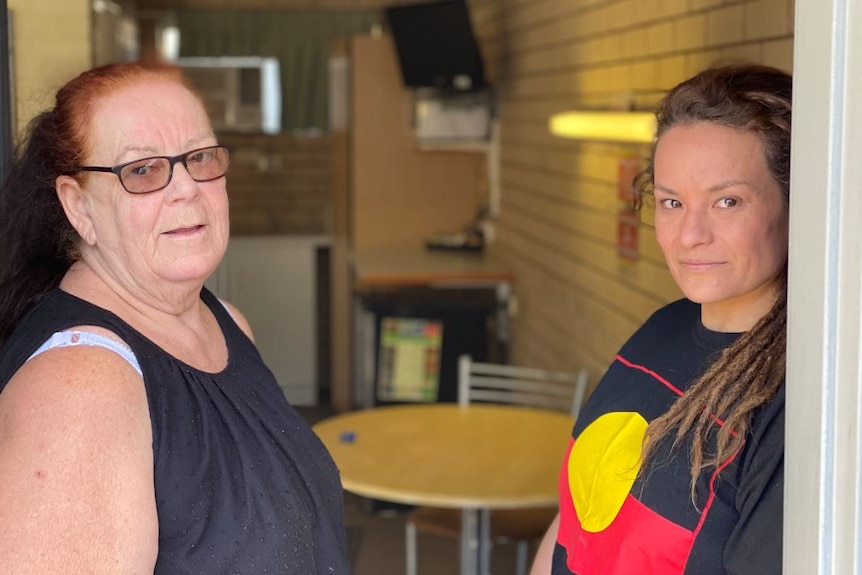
(578, 301)
(279, 184)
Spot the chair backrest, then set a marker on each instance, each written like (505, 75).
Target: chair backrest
(498, 383)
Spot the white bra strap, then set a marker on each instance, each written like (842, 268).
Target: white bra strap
(76, 337)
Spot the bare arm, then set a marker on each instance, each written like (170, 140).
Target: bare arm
(545, 552)
(76, 467)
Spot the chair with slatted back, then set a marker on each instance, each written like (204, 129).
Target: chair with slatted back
(498, 383)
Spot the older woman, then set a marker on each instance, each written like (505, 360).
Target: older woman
(140, 431)
(676, 464)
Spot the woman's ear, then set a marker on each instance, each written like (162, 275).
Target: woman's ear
(74, 202)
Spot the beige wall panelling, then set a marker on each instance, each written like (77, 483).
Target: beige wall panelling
(779, 53)
(725, 26)
(690, 32)
(767, 19)
(702, 4)
(51, 46)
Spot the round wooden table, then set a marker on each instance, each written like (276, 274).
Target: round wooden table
(474, 458)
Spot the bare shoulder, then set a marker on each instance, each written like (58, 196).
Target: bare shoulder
(76, 465)
(240, 319)
(74, 383)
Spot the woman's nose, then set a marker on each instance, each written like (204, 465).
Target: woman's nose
(696, 228)
(182, 184)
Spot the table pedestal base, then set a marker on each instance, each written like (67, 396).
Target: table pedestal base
(475, 544)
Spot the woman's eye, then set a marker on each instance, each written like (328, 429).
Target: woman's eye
(670, 203)
(201, 157)
(140, 170)
(145, 169)
(727, 202)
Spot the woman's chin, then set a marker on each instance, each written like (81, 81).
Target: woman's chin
(191, 273)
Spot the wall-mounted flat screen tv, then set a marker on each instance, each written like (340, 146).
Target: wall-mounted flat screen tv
(436, 46)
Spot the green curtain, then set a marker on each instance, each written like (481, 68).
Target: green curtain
(299, 39)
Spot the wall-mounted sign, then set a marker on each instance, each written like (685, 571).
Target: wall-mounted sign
(627, 169)
(628, 224)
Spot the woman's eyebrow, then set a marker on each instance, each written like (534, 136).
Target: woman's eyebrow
(719, 187)
(727, 184)
(141, 150)
(196, 141)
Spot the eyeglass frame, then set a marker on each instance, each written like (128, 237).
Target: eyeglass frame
(172, 160)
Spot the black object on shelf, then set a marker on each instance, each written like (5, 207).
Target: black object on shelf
(468, 241)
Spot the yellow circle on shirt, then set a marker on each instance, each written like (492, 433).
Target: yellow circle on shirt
(603, 465)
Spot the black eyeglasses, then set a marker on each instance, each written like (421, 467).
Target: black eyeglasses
(154, 173)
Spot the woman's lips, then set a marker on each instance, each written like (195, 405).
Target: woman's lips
(185, 231)
(699, 266)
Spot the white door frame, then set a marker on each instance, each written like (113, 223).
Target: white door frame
(822, 505)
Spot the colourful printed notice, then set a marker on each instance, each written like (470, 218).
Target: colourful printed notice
(408, 367)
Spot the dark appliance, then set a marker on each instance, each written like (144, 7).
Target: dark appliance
(436, 46)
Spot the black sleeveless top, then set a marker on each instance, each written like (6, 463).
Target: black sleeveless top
(242, 484)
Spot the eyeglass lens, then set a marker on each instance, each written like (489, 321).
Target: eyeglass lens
(150, 174)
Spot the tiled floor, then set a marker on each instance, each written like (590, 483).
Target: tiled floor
(376, 538)
(376, 544)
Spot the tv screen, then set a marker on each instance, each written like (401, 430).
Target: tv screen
(436, 46)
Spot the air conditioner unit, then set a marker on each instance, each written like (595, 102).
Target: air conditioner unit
(241, 94)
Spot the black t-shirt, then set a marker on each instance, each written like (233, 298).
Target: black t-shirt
(242, 484)
(611, 524)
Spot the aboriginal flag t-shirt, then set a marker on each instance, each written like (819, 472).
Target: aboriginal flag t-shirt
(616, 522)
